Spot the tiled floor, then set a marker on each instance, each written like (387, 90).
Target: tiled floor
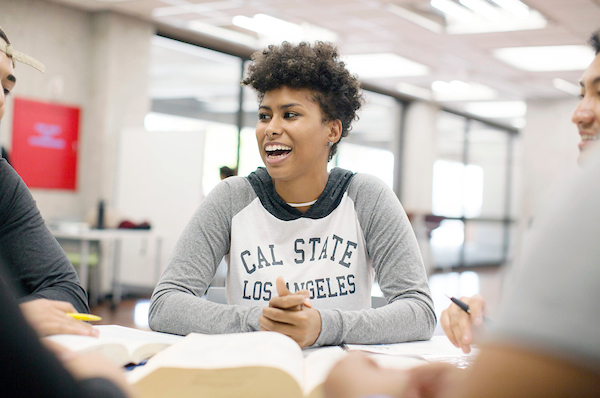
(130, 312)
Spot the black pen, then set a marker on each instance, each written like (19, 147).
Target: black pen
(465, 307)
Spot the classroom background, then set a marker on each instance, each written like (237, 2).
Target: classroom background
(468, 119)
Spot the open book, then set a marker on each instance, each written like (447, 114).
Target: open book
(121, 344)
(249, 365)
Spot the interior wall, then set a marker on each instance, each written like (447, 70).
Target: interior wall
(59, 37)
(96, 61)
(420, 151)
(160, 181)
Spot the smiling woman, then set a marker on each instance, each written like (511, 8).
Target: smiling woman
(303, 245)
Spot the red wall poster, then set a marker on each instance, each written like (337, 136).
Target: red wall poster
(44, 144)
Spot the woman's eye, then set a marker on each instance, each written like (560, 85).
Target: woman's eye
(6, 92)
(290, 114)
(263, 116)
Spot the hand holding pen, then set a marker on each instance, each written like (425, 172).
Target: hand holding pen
(462, 321)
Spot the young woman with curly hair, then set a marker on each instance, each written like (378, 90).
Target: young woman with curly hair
(303, 245)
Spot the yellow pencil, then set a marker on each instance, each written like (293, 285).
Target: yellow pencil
(84, 317)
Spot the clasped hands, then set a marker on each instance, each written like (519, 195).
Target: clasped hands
(292, 314)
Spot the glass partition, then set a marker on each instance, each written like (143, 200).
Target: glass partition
(370, 145)
(472, 193)
(197, 83)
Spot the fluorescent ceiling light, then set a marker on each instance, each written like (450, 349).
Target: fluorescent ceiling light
(414, 91)
(481, 16)
(383, 65)
(519, 123)
(274, 30)
(567, 87)
(515, 7)
(415, 18)
(457, 90)
(225, 34)
(546, 58)
(452, 9)
(506, 22)
(267, 25)
(482, 8)
(497, 109)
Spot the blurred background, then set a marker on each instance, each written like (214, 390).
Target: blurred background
(468, 119)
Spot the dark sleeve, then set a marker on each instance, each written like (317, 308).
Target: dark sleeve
(29, 369)
(34, 260)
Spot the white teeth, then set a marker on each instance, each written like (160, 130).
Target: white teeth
(276, 156)
(589, 137)
(277, 147)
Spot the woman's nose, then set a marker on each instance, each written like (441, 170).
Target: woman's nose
(273, 129)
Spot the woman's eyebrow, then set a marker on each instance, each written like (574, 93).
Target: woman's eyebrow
(289, 105)
(12, 78)
(285, 106)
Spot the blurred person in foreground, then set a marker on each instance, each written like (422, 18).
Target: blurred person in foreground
(37, 269)
(546, 341)
(461, 328)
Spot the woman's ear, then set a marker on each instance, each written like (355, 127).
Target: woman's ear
(335, 131)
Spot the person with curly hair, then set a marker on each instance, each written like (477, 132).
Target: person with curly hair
(303, 244)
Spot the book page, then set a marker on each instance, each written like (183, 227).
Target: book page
(141, 344)
(121, 344)
(257, 351)
(438, 349)
(115, 351)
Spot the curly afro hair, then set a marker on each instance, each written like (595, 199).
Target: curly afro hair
(314, 67)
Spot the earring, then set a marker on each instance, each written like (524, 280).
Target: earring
(329, 144)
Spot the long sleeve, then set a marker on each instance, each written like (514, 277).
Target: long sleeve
(35, 261)
(392, 246)
(177, 305)
(30, 370)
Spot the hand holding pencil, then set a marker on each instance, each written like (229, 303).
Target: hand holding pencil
(50, 317)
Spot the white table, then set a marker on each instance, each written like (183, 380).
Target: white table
(115, 237)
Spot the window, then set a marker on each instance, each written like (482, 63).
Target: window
(371, 147)
(472, 192)
(201, 84)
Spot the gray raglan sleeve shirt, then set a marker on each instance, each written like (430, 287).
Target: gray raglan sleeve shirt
(177, 305)
(400, 272)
